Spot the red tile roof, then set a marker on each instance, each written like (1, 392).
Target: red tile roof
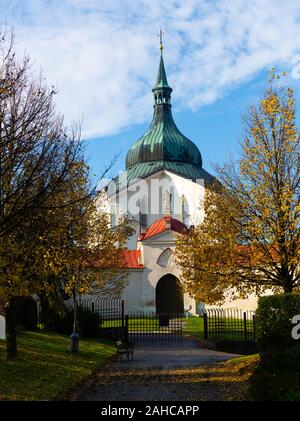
(131, 258)
(161, 225)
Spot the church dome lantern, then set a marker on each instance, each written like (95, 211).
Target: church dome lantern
(163, 141)
(163, 146)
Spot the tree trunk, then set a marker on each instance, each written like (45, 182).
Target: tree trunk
(11, 338)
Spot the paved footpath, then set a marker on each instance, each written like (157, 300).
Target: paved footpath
(174, 371)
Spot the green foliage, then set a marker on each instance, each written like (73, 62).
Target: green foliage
(286, 360)
(274, 325)
(88, 322)
(25, 310)
(279, 378)
(59, 322)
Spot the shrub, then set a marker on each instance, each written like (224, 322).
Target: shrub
(286, 360)
(88, 322)
(278, 376)
(279, 379)
(25, 310)
(59, 321)
(274, 324)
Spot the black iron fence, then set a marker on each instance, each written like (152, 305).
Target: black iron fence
(102, 316)
(231, 330)
(232, 324)
(147, 326)
(110, 309)
(96, 316)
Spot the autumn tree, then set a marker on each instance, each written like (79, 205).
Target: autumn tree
(84, 249)
(37, 153)
(45, 198)
(250, 238)
(76, 250)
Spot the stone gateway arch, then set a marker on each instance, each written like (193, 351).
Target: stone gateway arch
(169, 295)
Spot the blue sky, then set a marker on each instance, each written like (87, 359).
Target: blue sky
(103, 56)
(216, 128)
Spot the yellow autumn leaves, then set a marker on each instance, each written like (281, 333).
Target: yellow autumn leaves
(250, 237)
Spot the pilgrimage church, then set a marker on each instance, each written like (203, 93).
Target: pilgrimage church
(162, 193)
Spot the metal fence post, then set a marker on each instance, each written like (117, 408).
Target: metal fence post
(123, 315)
(126, 329)
(205, 325)
(245, 325)
(254, 327)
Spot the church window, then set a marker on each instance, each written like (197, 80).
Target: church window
(166, 258)
(143, 213)
(167, 203)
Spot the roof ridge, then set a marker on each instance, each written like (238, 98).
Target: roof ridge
(160, 225)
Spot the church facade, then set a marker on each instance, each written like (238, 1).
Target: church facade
(162, 193)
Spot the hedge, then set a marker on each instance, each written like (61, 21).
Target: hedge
(88, 322)
(274, 326)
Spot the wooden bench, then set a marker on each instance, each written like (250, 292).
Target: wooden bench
(125, 348)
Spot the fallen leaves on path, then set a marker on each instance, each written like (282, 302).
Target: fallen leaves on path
(224, 381)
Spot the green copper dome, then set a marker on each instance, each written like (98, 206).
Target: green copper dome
(163, 142)
(163, 146)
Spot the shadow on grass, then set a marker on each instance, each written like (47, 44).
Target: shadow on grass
(45, 368)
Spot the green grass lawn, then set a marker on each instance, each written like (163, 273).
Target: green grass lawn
(194, 326)
(136, 323)
(279, 381)
(45, 368)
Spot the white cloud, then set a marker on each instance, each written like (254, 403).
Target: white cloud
(104, 54)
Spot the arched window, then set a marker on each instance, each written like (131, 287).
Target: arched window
(167, 203)
(166, 258)
(143, 213)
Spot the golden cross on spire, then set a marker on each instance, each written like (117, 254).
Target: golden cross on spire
(161, 47)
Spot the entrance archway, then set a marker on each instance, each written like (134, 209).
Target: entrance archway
(169, 295)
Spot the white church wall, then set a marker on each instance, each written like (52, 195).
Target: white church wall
(140, 293)
(144, 196)
(2, 327)
(194, 196)
(249, 303)
(133, 294)
(153, 272)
